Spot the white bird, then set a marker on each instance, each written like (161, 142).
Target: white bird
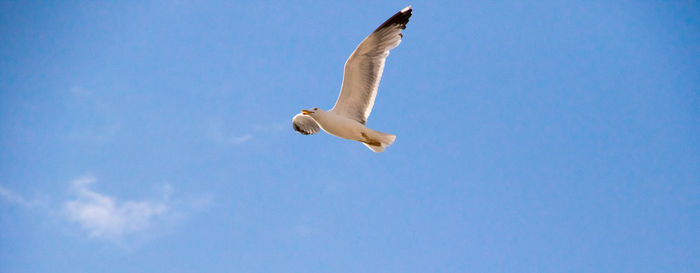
(363, 70)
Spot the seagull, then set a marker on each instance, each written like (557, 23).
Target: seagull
(363, 70)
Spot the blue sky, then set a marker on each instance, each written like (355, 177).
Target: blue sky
(551, 136)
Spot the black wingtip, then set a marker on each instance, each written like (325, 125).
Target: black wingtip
(400, 19)
(298, 129)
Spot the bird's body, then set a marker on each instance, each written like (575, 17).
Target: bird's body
(363, 70)
(339, 125)
(343, 127)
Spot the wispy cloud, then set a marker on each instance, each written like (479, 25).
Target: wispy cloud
(99, 136)
(240, 139)
(102, 216)
(17, 199)
(79, 91)
(219, 132)
(271, 127)
(302, 230)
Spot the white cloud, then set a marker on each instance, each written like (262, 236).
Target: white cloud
(302, 230)
(220, 132)
(103, 216)
(97, 136)
(241, 139)
(79, 91)
(271, 127)
(217, 133)
(14, 198)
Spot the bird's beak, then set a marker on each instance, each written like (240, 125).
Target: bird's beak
(306, 112)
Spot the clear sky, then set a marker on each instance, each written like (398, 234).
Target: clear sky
(550, 136)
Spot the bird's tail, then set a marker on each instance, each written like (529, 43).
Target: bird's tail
(378, 141)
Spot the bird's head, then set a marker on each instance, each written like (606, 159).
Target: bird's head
(311, 112)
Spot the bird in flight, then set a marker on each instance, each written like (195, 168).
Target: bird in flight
(363, 70)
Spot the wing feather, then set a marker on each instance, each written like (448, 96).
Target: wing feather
(305, 125)
(364, 68)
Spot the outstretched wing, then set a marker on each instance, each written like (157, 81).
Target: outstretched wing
(305, 125)
(364, 68)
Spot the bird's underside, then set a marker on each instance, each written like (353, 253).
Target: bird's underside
(363, 71)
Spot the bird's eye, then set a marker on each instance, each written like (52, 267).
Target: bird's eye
(315, 108)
